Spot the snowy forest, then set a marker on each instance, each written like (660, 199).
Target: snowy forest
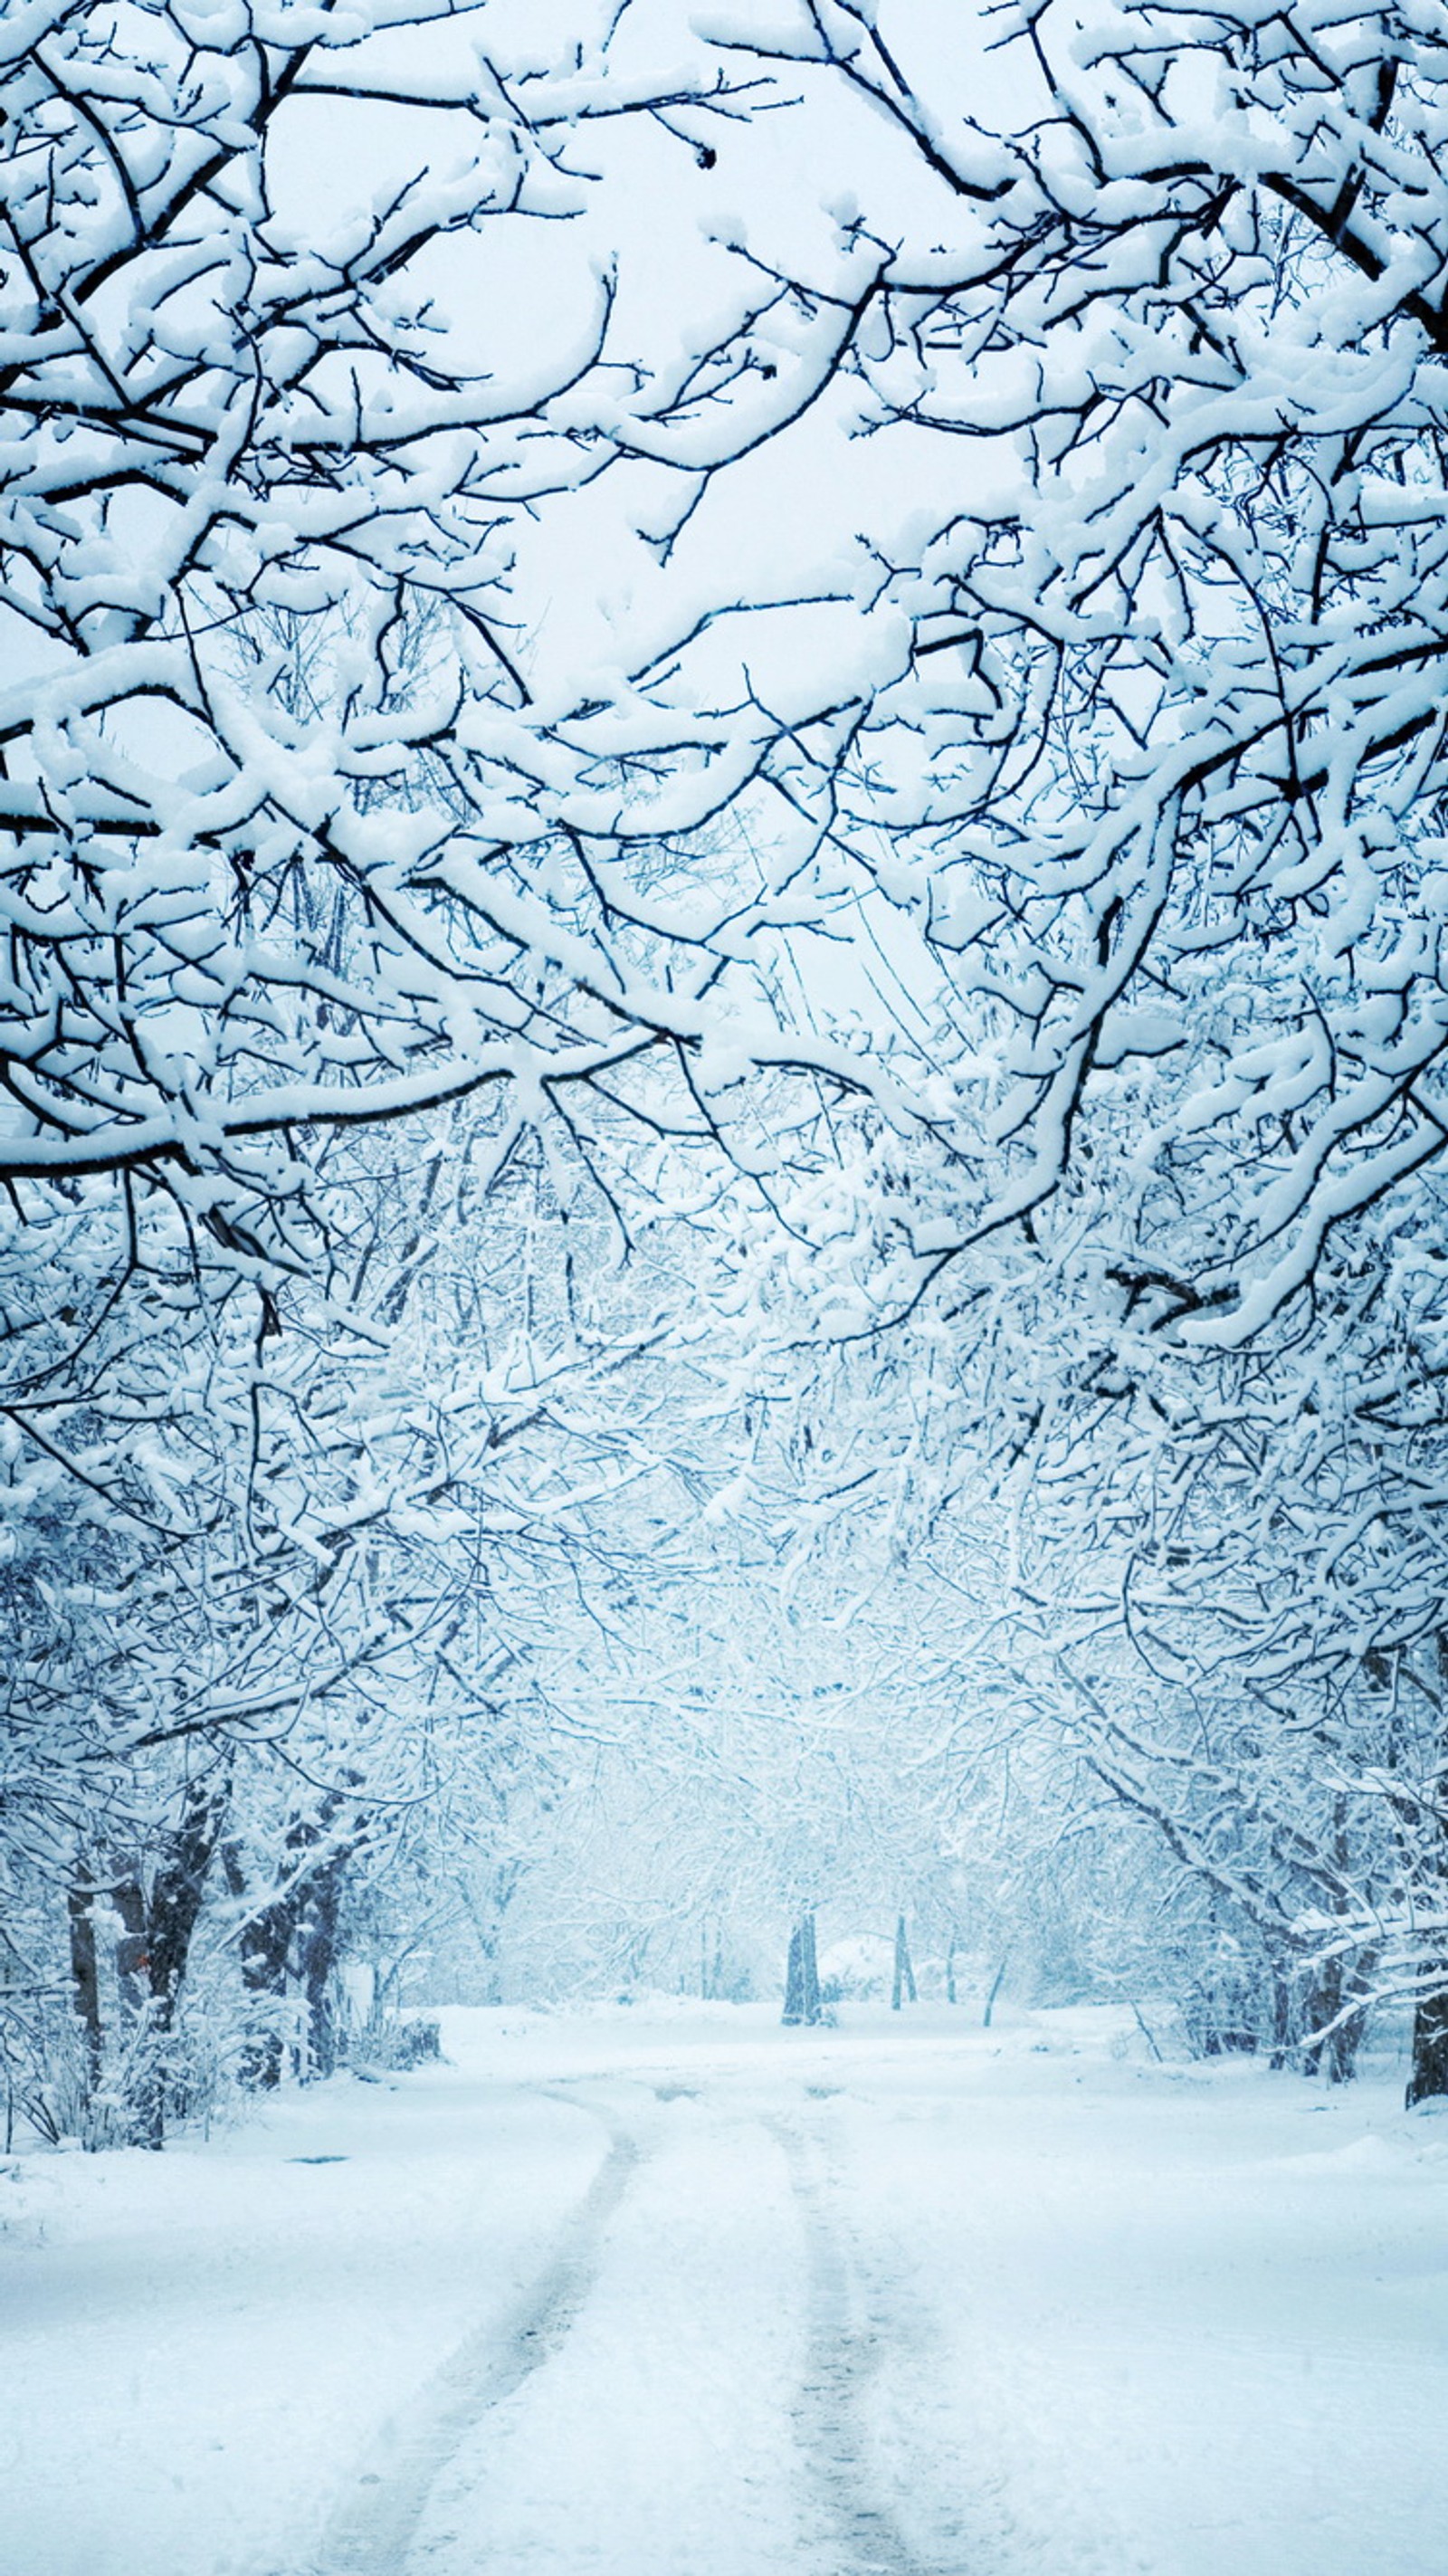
(723, 1287)
(724, 864)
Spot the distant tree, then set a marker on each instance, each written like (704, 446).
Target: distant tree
(801, 1982)
(902, 1983)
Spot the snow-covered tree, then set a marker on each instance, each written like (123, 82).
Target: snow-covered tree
(533, 603)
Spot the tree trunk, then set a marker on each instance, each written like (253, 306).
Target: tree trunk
(316, 1955)
(794, 1980)
(85, 1983)
(1282, 2021)
(1428, 2077)
(801, 1981)
(1323, 2000)
(263, 1944)
(1428, 2080)
(904, 1979)
(996, 1984)
(811, 1969)
(177, 1891)
(128, 1901)
(266, 1938)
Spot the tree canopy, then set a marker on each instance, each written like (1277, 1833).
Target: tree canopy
(722, 810)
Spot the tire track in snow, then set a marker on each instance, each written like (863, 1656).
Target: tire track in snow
(843, 2355)
(371, 2531)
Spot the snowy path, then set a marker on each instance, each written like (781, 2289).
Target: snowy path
(690, 2296)
(372, 2529)
(844, 2352)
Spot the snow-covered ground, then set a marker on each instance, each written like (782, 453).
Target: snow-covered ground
(678, 2293)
